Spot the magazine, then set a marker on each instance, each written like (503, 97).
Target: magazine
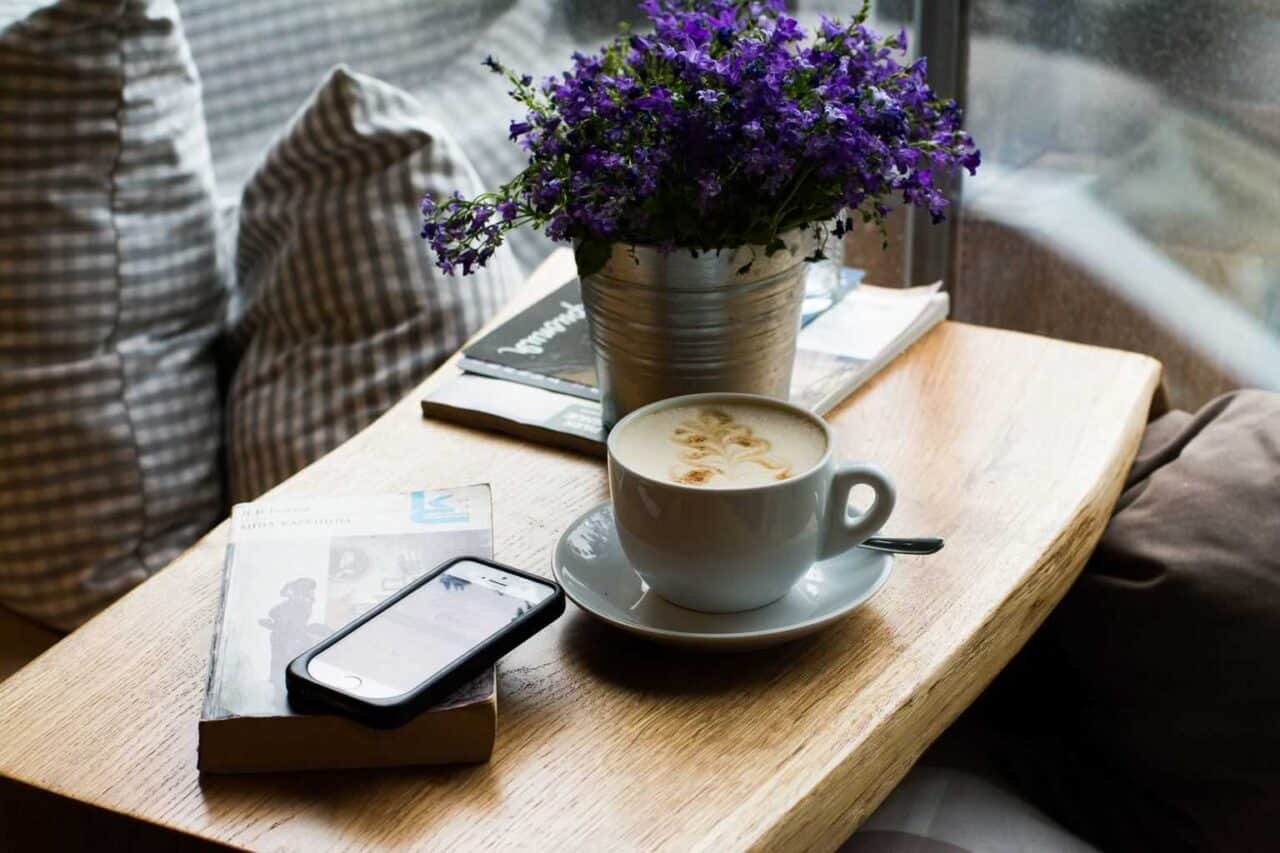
(839, 350)
(545, 345)
(297, 570)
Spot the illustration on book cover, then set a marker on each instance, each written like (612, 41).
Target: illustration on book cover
(299, 571)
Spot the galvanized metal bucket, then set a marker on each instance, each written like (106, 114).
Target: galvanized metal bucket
(665, 325)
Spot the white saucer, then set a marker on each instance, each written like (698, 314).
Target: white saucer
(588, 562)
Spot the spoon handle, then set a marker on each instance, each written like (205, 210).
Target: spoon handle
(898, 545)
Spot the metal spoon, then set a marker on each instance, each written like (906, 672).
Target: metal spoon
(901, 545)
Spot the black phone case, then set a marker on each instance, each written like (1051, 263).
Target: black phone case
(310, 695)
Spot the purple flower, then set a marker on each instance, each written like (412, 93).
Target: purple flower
(708, 189)
(722, 126)
(658, 99)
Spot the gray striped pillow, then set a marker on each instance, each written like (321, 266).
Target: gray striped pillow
(260, 61)
(109, 300)
(343, 311)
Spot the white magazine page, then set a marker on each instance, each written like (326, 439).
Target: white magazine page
(843, 348)
(867, 321)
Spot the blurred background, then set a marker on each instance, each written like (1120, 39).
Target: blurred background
(1130, 190)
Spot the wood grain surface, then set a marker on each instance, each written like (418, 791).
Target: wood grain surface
(1012, 447)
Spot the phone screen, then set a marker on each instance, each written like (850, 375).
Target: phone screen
(428, 629)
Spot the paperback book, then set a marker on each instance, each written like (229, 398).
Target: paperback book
(297, 570)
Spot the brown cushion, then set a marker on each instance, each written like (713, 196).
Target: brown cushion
(1146, 712)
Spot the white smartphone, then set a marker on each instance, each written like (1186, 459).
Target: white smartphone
(424, 642)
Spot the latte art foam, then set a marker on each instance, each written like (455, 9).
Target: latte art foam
(721, 446)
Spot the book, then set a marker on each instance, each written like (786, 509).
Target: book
(837, 351)
(297, 570)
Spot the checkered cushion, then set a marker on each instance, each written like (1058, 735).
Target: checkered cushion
(260, 61)
(343, 309)
(109, 299)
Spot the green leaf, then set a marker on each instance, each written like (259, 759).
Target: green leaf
(775, 245)
(591, 256)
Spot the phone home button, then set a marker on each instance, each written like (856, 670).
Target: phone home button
(352, 682)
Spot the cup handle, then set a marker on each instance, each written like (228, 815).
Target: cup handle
(846, 530)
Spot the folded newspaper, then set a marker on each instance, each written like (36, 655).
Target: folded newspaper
(532, 376)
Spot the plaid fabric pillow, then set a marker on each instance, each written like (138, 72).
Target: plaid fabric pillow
(260, 61)
(109, 299)
(343, 309)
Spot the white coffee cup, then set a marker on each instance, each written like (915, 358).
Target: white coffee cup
(723, 550)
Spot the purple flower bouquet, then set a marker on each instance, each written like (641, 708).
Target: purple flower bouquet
(726, 126)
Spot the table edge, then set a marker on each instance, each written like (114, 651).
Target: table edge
(808, 817)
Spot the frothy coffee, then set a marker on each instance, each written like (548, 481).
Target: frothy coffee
(720, 446)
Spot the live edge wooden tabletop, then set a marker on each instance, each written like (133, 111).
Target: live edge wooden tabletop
(1012, 447)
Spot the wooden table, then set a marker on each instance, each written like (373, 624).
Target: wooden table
(1012, 447)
